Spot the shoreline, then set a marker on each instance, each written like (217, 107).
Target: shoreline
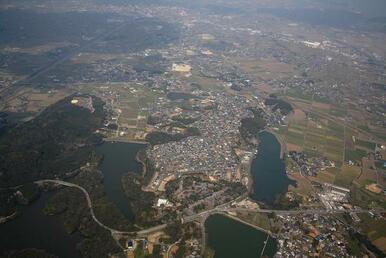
(250, 188)
(283, 146)
(268, 232)
(249, 167)
(250, 176)
(111, 139)
(139, 160)
(8, 218)
(237, 220)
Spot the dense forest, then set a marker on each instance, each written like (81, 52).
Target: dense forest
(53, 144)
(60, 140)
(70, 205)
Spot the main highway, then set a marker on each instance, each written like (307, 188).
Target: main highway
(227, 208)
(223, 208)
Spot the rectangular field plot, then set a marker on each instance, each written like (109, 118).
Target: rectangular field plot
(316, 131)
(336, 157)
(334, 129)
(311, 152)
(129, 113)
(314, 148)
(316, 138)
(128, 122)
(365, 144)
(298, 94)
(282, 130)
(334, 149)
(354, 155)
(130, 105)
(340, 112)
(295, 137)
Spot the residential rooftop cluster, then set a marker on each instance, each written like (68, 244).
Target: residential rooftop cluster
(308, 166)
(213, 151)
(312, 235)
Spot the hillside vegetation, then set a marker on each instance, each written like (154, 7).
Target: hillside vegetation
(53, 144)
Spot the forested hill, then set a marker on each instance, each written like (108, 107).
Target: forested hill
(56, 142)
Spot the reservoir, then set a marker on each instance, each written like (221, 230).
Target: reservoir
(268, 170)
(119, 158)
(33, 229)
(230, 238)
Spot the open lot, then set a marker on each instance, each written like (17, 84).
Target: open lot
(347, 175)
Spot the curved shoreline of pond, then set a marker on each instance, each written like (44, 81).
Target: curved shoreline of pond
(119, 158)
(33, 229)
(267, 171)
(229, 237)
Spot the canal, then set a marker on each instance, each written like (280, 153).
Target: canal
(268, 170)
(118, 159)
(33, 229)
(230, 238)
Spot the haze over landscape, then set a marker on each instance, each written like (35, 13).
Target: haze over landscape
(206, 128)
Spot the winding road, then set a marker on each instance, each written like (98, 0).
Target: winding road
(223, 208)
(89, 204)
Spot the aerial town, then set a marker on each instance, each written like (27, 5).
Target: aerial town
(168, 129)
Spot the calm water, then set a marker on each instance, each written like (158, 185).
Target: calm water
(268, 170)
(33, 229)
(232, 239)
(119, 158)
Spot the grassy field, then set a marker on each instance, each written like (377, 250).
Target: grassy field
(347, 175)
(298, 94)
(258, 219)
(205, 83)
(365, 144)
(354, 155)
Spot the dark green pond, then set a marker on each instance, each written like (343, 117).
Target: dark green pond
(268, 170)
(119, 158)
(232, 239)
(33, 229)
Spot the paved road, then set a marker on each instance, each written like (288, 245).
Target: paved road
(207, 213)
(89, 204)
(88, 199)
(304, 211)
(223, 208)
(151, 230)
(204, 214)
